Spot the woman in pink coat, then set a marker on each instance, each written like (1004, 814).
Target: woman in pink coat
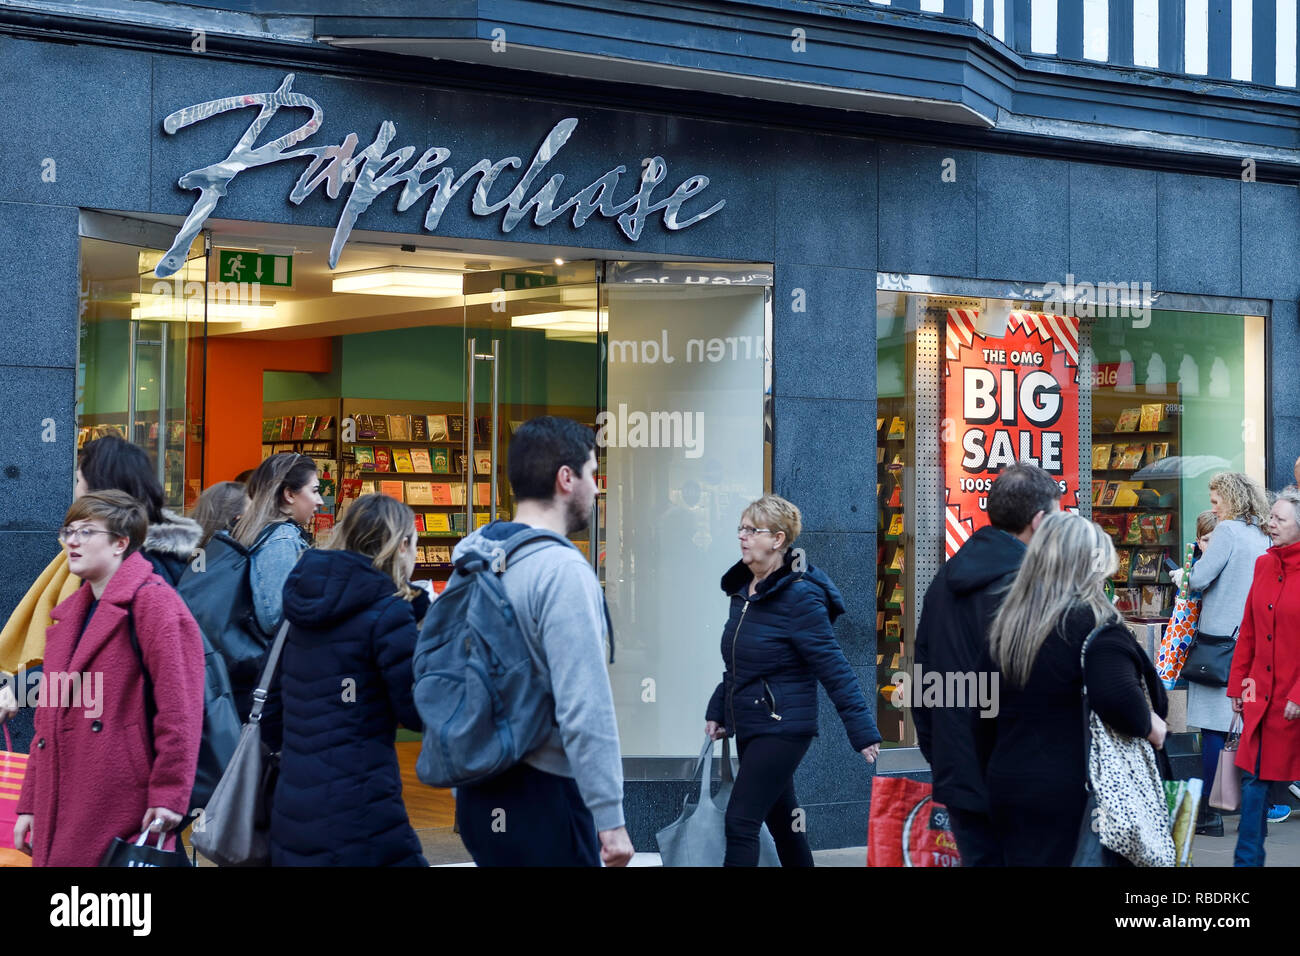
(98, 769)
(1264, 683)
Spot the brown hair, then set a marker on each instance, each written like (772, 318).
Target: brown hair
(287, 471)
(1205, 523)
(776, 514)
(376, 526)
(219, 507)
(122, 515)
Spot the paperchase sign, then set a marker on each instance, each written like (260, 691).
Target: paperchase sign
(375, 170)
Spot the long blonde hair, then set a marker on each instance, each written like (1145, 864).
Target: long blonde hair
(376, 526)
(1243, 497)
(266, 487)
(1068, 560)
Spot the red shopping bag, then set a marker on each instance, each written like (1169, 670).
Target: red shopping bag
(907, 827)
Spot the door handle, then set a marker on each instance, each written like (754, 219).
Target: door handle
(473, 356)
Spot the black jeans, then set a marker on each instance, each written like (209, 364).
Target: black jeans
(764, 792)
(527, 817)
(977, 842)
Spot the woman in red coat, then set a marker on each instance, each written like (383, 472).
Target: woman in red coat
(97, 769)
(1265, 680)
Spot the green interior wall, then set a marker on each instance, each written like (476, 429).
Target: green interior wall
(427, 364)
(891, 353)
(1204, 358)
(105, 347)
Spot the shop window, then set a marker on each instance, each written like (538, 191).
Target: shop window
(683, 453)
(139, 358)
(1132, 409)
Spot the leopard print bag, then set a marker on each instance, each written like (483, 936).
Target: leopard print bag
(1130, 816)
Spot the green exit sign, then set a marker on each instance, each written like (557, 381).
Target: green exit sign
(238, 266)
(513, 281)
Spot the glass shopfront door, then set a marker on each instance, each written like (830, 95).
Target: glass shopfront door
(140, 355)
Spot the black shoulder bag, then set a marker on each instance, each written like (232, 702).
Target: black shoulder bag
(1209, 659)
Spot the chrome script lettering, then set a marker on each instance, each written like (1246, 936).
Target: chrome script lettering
(374, 170)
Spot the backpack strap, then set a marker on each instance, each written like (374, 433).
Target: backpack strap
(270, 530)
(516, 542)
(524, 538)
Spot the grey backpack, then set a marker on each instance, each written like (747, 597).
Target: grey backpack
(482, 693)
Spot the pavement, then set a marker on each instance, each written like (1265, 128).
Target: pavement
(442, 847)
(1281, 846)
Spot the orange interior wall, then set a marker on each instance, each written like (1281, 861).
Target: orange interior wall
(233, 436)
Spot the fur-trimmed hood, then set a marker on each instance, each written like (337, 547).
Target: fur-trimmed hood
(175, 535)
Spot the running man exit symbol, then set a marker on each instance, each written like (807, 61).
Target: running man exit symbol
(236, 266)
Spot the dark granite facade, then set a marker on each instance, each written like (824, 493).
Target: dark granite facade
(828, 211)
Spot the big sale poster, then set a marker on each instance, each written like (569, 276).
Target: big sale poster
(1010, 395)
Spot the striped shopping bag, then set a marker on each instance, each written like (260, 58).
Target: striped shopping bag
(12, 767)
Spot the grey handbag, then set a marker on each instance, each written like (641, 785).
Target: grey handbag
(699, 836)
(232, 830)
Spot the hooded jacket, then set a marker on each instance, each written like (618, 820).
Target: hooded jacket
(169, 545)
(952, 639)
(776, 645)
(345, 684)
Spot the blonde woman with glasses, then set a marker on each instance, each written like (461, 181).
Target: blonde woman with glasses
(1037, 769)
(777, 645)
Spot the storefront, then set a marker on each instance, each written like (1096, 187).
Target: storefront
(1132, 401)
(405, 370)
(739, 305)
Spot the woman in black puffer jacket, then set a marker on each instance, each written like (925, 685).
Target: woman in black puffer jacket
(345, 684)
(778, 642)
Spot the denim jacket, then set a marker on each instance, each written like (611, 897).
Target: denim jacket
(269, 568)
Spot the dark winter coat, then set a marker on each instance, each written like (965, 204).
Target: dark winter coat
(169, 545)
(776, 646)
(1268, 657)
(952, 638)
(1038, 766)
(94, 771)
(345, 685)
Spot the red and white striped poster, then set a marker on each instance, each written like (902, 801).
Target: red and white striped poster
(1011, 394)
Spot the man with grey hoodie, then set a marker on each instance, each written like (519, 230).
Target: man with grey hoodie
(562, 805)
